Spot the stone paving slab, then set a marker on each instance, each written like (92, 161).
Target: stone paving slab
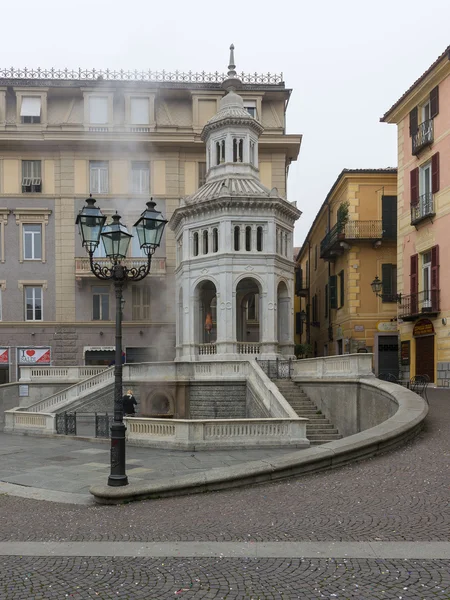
(82, 578)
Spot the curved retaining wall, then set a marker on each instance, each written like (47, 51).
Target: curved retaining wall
(396, 430)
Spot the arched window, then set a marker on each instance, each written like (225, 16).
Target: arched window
(285, 244)
(222, 155)
(235, 150)
(252, 153)
(277, 237)
(259, 239)
(205, 242)
(248, 238)
(195, 244)
(215, 239)
(241, 151)
(237, 238)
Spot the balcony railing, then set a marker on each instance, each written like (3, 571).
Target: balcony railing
(424, 208)
(83, 268)
(352, 230)
(424, 136)
(419, 304)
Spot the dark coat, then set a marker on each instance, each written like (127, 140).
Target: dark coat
(129, 402)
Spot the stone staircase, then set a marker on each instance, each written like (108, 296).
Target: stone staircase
(319, 430)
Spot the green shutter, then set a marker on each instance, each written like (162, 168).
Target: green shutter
(387, 278)
(326, 300)
(341, 291)
(332, 284)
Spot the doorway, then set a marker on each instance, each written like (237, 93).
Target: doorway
(425, 356)
(388, 355)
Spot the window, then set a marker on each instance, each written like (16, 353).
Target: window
(426, 279)
(195, 249)
(98, 175)
(326, 301)
(139, 111)
(30, 110)
(100, 303)
(251, 307)
(315, 311)
(201, 174)
(341, 289)
(298, 323)
(33, 303)
(31, 176)
(259, 239)
(215, 239)
(250, 107)
(424, 182)
(140, 177)
(238, 150)
(140, 295)
(32, 241)
(389, 281)
(205, 242)
(248, 238)
(332, 287)
(237, 238)
(98, 110)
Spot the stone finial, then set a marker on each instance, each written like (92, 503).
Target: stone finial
(232, 66)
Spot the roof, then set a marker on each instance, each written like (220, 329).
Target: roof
(237, 187)
(386, 170)
(446, 53)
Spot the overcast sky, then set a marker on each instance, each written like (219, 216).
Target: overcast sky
(347, 62)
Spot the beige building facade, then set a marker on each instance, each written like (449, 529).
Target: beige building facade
(352, 240)
(121, 137)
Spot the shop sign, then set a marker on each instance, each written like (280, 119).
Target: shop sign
(423, 327)
(387, 326)
(4, 356)
(33, 356)
(405, 353)
(359, 327)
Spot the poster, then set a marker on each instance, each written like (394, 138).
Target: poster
(33, 356)
(4, 356)
(405, 349)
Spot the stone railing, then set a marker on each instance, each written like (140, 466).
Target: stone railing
(204, 349)
(217, 433)
(264, 392)
(248, 348)
(43, 374)
(170, 371)
(74, 392)
(29, 422)
(345, 365)
(83, 267)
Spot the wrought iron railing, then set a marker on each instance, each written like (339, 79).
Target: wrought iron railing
(331, 238)
(368, 230)
(424, 208)
(83, 267)
(427, 301)
(151, 76)
(276, 369)
(66, 423)
(423, 137)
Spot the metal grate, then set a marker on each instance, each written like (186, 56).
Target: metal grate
(276, 369)
(103, 425)
(66, 423)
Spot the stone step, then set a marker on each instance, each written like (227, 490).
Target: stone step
(313, 437)
(321, 426)
(321, 432)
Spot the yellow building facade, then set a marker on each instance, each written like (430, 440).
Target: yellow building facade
(352, 240)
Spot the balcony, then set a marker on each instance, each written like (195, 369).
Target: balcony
(83, 268)
(424, 136)
(301, 286)
(421, 304)
(423, 209)
(333, 244)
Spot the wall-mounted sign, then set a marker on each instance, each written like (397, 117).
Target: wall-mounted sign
(339, 332)
(423, 327)
(23, 390)
(405, 352)
(387, 326)
(4, 356)
(359, 327)
(33, 356)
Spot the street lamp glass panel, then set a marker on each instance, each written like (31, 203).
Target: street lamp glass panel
(376, 285)
(150, 228)
(90, 221)
(116, 239)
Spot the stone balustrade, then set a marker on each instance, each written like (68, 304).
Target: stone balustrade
(211, 434)
(351, 366)
(29, 422)
(36, 374)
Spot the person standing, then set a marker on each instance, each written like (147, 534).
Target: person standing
(129, 402)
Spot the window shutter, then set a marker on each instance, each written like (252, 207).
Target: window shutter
(332, 283)
(435, 183)
(389, 216)
(414, 175)
(139, 111)
(341, 290)
(298, 280)
(298, 323)
(435, 277)
(414, 266)
(413, 121)
(326, 300)
(386, 278)
(434, 102)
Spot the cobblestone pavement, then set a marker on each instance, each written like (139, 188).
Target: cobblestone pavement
(145, 579)
(402, 495)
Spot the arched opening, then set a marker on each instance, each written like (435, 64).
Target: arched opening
(237, 238)
(248, 322)
(206, 317)
(259, 239)
(215, 239)
(283, 303)
(248, 238)
(195, 243)
(205, 241)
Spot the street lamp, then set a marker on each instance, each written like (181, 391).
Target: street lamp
(116, 240)
(377, 286)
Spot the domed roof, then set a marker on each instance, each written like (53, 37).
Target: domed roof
(231, 111)
(236, 187)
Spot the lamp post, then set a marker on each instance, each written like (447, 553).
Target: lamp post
(116, 239)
